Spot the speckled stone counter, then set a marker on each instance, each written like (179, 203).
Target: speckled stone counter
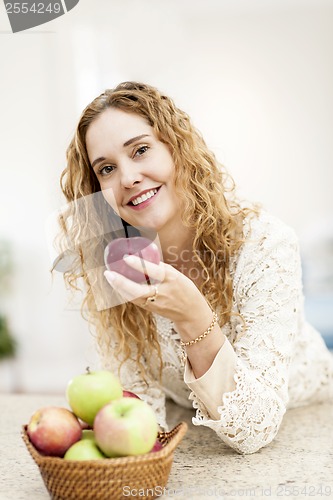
(297, 465)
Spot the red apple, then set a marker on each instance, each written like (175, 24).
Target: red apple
(129, 394)
(127, 426)
(52, 430)
(84, 425)
(142, 247)
(157, 446)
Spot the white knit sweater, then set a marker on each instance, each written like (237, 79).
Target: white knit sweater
(278, 362)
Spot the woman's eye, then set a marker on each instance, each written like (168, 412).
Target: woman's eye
(140, 151)
(107, 169)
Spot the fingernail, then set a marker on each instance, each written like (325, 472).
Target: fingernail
(110, 276)
(129, 258)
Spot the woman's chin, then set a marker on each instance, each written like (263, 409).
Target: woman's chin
(150, 222)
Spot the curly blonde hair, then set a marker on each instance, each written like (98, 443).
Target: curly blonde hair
(211, 210)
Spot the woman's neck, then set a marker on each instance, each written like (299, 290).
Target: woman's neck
(177, 251)
(176, 246)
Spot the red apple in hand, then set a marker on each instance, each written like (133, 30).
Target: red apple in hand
(129, 394)
(53, 430)
(142, 247)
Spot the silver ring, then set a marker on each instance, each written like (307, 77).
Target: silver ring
(153, 297)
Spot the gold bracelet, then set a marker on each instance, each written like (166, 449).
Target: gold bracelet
(203, 335)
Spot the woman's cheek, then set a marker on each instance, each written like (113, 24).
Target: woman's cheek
(110, 198)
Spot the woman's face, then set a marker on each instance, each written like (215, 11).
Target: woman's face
(135, 170)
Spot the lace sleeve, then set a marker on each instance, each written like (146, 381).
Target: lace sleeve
(267, 295)
(131, 380)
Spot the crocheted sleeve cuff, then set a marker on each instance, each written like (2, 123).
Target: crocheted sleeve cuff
(217, 380)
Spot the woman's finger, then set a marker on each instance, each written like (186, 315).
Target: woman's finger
(154, 271)
(128, 289)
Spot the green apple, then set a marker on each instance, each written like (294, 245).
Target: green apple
(86, 449)
(88, 434)
(126, 426)
(89, 392)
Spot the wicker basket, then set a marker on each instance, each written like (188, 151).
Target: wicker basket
(106, 479)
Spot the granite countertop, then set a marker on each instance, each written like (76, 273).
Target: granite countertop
(298, 464)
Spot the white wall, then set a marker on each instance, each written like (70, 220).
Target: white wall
(257, 79)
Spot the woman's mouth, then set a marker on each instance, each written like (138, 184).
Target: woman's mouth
(144, 200)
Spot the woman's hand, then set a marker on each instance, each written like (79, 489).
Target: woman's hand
(178, 298)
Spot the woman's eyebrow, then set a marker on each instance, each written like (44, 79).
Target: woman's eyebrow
(137, 138)
(98, 160)
(127, 143)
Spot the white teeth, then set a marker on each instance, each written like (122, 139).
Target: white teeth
(144, 197)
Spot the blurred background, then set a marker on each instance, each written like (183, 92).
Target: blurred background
(255, 76)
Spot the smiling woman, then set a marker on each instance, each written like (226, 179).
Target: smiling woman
(222, 328)
(136, 168)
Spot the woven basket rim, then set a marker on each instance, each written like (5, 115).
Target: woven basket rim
(176, 434)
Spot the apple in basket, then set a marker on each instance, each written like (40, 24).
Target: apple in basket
(89, 392)
(126, 426)
(118, 248)
(130, 394)
(157, 446)
(86, 449)
(88, 434)
(52, 430)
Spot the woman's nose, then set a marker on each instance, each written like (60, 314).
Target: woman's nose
(129, 175)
